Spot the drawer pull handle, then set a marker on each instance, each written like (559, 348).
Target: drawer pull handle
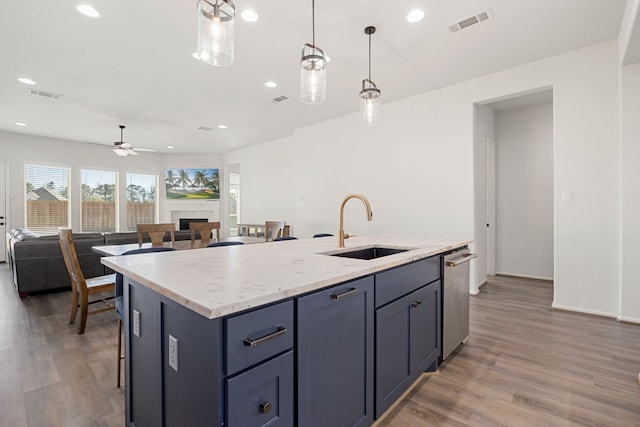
(252, 343)
(265, 407)
(344, 294)
(416, 303)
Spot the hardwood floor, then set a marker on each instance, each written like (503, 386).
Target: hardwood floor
(524, 365)
(50, 375)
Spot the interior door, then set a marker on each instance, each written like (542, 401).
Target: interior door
(490, 169)
(3, 205)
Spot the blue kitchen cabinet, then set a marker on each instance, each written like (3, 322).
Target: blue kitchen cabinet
(335, 356)
(407, 329)
(187, 393)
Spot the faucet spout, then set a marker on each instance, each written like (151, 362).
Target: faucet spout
(341, 233)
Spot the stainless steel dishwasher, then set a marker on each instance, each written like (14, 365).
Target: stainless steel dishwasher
(455, 300)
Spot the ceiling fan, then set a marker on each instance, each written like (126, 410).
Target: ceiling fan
(123, 149)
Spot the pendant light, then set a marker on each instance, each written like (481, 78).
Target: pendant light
(313, 77)
(370, 94)
(215, 31)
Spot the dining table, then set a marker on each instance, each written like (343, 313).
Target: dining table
(117, 250)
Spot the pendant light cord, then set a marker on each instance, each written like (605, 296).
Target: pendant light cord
(313, 23)
(369, 57)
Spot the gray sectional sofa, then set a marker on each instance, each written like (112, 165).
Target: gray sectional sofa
(36, 262)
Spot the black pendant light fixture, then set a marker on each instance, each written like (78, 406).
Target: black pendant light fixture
(313, 65)
(215, 31)
(370, 94)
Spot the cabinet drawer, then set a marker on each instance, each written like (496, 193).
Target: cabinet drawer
(255, 336)
(399, 281)
(263, 395)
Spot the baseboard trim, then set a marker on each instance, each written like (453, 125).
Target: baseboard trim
(524, 276)
(584, 311)
(628, 320)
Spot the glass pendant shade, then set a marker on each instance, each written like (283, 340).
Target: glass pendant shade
(370, 94)
(313, 75)
(369, 101)
(215, 31)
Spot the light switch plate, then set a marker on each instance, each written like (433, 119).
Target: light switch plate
(136, 323)
(173, 353)
(566, 195)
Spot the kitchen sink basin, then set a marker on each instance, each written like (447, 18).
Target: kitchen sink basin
(369, 253)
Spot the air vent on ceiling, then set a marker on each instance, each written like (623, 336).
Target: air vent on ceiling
(472, 20)
(279, 99)
(44, 93)
(204, 128)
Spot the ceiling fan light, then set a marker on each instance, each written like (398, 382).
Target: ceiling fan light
(120, 152)
(216, 31)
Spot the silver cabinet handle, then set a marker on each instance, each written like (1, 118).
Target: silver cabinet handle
(344, 294)
(252, 343)
(457, 261)
(416, 303)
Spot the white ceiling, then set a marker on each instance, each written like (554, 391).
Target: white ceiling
(134, 66)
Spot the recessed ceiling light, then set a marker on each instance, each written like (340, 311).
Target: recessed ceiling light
(415, 15)
(222, 126)
(26, 81)
(271, 84)
(249, 15)
(170, 147)
(21, 124)
(87, 10)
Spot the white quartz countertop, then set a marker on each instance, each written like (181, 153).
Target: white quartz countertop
(219, 281)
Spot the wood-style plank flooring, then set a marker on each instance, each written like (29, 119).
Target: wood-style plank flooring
(524, 365)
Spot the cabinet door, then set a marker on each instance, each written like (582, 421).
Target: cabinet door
(425, 328)
(263, 395)
(335, 356)
(393, 352)
(407, 342)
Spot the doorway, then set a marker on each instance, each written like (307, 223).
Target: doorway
(3, 203)
(234, 199)
(514, 196)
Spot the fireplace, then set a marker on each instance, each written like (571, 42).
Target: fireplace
(184, 222)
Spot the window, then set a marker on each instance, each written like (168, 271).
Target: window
(46, 198)
(141, 199)
(99, 195)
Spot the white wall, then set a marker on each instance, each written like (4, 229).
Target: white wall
(20, 149)
(416, 166)
(524, 191)
(630, 93)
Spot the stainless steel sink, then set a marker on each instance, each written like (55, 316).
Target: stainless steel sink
(369, 253)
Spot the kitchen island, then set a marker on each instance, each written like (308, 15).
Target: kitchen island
(281, 333)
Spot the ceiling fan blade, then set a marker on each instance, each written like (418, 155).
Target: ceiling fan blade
(145, 150)
(130, 151)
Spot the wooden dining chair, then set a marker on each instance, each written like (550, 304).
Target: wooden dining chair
(82, 288)
(273, 229)
(204, 229)
(118, 292)
(156, 232)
